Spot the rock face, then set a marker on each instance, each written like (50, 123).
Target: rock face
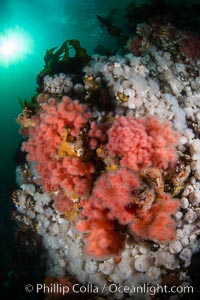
(115, 193)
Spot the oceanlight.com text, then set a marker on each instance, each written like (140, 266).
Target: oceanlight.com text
(57, 288)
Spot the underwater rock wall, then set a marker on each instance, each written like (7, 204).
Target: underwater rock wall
(111, 181)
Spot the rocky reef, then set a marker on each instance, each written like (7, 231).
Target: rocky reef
(111, 180)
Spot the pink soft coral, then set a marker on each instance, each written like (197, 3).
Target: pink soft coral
(58, 167)
(141, 142)
(101, 235)
(120, 196)
(156, 224)
(111, 194)
(63, 203)
(113, 191)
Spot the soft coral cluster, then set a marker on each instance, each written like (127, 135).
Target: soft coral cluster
(140, 143)
(156, 224)
(67, 173)
(130, 192)
(132, 195)
(121, 196)
(110, 195)
(113, 191)
(101, 234)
